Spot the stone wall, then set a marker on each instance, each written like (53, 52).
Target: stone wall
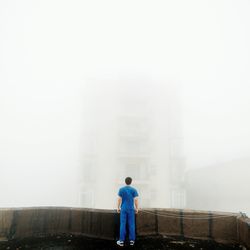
(47, 221)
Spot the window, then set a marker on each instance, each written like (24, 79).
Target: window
(178, 198)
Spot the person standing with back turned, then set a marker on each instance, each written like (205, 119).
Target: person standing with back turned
(127, 206)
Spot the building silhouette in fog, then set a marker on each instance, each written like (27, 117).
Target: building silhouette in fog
(219, 187)
(132, 128)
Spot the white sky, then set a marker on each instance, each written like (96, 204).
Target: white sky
(49, 48)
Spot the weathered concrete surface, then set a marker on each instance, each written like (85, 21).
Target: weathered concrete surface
(197, 227)
(94, 223)
(6, 220)
(169, 224)
(224, 229)
(244, 231)
(23, 223)
(146, 223)
(35, 222)
(221, 227)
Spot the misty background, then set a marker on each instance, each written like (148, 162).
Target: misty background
(90, 90)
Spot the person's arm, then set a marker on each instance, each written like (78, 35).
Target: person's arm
(119, 202)
(136, 205)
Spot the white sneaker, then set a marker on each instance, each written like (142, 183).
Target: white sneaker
(131, 243)
(120, 243)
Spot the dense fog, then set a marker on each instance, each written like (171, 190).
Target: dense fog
(94, 91)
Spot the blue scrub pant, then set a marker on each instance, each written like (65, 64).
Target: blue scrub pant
(127, 216)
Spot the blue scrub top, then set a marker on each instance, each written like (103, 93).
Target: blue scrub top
(127, 194)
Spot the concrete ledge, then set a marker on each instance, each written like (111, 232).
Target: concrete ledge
(197, 228)
(169, 222)
(244, 231)
(146, 223)
(48, 221)
(225, 228)
(22, 223)
(6, 220)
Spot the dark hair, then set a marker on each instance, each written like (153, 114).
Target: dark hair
(128, 180)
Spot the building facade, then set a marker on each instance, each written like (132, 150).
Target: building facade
(132, 128)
